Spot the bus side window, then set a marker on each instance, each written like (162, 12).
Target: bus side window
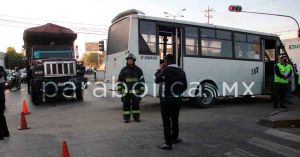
(191, 41)
(216, 44)
(247, 46)
(147, 38)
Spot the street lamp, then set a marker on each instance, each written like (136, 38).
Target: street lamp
(238, 8)
(176, 15)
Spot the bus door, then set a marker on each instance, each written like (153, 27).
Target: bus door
(170, 42)
(270, 58)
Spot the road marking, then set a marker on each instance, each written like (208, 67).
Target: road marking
(274, 147)
(237, 152)
(284, 135)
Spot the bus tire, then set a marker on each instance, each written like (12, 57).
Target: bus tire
(208, 96)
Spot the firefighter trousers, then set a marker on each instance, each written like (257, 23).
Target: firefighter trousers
(131, 104)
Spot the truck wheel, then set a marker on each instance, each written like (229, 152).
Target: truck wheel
(79, 95)
(35, 97)
(208, 96)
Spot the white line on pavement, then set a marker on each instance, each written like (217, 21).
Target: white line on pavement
(284, 135)
(237, 152)
(274, 147)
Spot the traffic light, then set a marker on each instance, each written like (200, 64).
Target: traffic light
(101, 45)
(298, 33)
(235, 8)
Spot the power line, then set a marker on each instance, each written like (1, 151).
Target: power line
(279, 27)
(76, 28)
(287, 31)
(92, 33)
(36, 19)
(13, 21)
(79, 32)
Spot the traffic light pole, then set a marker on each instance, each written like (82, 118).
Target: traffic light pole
(273, 15)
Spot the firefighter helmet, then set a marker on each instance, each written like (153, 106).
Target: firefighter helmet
(130, 55)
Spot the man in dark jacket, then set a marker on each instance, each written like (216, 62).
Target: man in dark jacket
(173, 83)
(131, 86)
(3, 126)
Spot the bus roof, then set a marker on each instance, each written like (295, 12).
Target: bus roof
(140, 15)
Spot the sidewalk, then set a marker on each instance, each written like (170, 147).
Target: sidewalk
(283, 118)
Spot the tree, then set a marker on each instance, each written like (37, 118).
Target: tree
(90, 59)
(13, 59)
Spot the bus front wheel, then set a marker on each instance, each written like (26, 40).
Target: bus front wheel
(208, 96)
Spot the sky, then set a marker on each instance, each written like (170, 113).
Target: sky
(91, 18)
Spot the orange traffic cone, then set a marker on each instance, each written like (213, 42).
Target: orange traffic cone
(23, 123)
(65, 151)
(25, 108)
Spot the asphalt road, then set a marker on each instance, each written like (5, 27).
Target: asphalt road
(94, 128)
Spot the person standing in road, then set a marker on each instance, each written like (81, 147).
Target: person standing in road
(282, 73)
(3, 126)
(95, 73)
(173, 83)
(131, 86)
(18, 78)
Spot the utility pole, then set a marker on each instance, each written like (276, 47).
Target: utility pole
(209, 13)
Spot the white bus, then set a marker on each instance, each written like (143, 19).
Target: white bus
(218, 61)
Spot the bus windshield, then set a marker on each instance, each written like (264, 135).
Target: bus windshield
(118, 36)
(52, 54)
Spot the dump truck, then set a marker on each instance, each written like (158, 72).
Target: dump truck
(52, 70)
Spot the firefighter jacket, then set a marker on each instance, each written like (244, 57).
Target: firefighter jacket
(131, 80)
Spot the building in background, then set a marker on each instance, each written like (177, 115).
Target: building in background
(96, 57)
(292, 47)
(2, 55)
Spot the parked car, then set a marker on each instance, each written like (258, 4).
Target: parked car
(23, 76)
(6, 85)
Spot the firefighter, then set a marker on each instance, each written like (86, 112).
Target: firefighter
(283, 72)
(131, 86)
(3, 126)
